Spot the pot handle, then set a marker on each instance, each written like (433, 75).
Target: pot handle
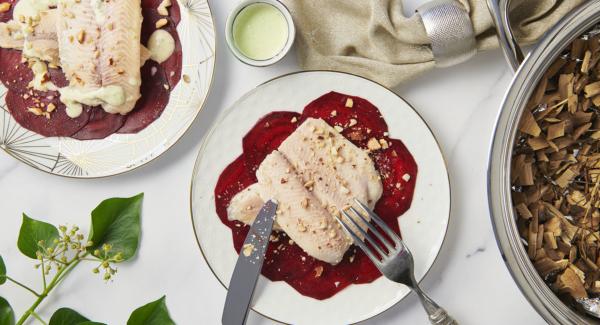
(512, 51)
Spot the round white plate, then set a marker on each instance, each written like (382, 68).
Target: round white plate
(120, 153)
(423, 226)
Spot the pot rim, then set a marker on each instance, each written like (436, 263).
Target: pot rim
(513, 252)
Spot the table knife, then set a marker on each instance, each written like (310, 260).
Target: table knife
(248, 266)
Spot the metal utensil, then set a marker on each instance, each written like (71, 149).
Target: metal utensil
(248, 266)
(391, 256)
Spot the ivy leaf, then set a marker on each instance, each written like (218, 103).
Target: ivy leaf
(116, 222)
(2, 272)
(7, 316)
(32, 232)
(154, 313)
(67, 316)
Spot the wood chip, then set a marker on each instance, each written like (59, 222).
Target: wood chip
(555, 173)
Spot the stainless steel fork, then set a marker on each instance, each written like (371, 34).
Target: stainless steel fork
(394, 259)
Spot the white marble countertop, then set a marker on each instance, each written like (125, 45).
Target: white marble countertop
(469, 279)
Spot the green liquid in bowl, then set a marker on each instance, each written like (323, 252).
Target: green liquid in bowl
(260, 31)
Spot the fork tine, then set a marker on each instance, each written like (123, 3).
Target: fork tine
(385, 241)
(380, 222)
(359, 242)
(366, 235)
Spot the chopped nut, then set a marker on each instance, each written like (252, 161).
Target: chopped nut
(318, 271)
(373, 144)
(162, 7)
(349, 102)
(186, 78)
(384, 143)
(81, 36)
(247, 249)
(161, 23)
(304, 203)
(35, 110)
(338, 128)
(4, 7)
(353, 122)
(50, 108)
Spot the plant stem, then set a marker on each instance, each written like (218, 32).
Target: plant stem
(43, 273)
(22, 285)
(36, 316)
(58, 277)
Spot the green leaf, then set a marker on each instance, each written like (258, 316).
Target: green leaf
(154, 313)
(116, 222)
(32, 232)
(7, 316)
(67, 316)
(2, 271)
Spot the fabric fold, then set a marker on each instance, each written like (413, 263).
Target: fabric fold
(374, 39)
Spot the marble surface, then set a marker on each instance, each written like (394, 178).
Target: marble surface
(469, 279)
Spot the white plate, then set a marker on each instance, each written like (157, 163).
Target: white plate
(120, 153)
(423, 225)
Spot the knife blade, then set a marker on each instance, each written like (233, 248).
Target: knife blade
(248, 266)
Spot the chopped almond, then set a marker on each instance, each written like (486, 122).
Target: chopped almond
(4, 7)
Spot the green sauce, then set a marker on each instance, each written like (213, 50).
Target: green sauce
(260, 31)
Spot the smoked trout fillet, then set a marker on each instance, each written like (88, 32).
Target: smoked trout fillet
(99, 45)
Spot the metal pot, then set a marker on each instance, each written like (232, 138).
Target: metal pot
(529, 71)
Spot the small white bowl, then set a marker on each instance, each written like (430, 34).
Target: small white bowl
(260, 63)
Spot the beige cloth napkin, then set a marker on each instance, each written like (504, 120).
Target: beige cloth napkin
(373, 38)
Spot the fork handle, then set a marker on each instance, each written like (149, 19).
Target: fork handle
(437, 314)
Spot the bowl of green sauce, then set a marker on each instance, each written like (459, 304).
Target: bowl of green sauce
(260, 32)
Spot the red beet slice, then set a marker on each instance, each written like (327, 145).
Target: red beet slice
(16, 75)
(100, 126)
(172, 65)
(332, 109)
(59, 125)
(398, 171)
(153, 102)
(232, 180)
(266, 136)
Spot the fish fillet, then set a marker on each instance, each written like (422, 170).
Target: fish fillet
(99, 44)
(299, 213)
(332, 169)
(35, 36)
(43, 39)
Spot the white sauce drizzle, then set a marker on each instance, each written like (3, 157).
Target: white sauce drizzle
(161, 45)
(40, 80)
(74, 97)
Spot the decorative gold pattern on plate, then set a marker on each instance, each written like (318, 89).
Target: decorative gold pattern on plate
(120, 153)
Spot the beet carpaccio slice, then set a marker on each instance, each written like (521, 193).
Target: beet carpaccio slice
(59, 125)
(101, 125)
(286, 261)
(266, 135)
(149, 107)
(95, 123)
